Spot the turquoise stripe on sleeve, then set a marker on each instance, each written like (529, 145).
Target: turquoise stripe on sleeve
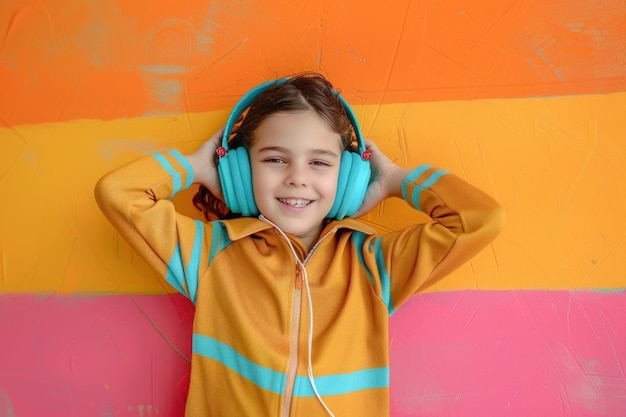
(385, 279)
(415, 197)
(274, 381)
(219, 240)
(170, 170)
(175, 271)
(185, 164)
(413, 175)
(193, 267)
(417, 189)
(180, 276)
(359, 239)
(434, 178)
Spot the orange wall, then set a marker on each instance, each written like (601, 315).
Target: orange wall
(65, 60)
(556, 164)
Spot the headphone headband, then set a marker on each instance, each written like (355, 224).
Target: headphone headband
(251, 95)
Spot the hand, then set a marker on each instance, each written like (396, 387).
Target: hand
(386, 179)
(204, 165)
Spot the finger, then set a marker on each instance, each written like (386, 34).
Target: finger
(216, 139)
(219, 133)
(369, 143)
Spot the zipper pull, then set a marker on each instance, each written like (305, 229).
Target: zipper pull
(298, 276)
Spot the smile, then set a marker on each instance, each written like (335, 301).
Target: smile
(295, 202)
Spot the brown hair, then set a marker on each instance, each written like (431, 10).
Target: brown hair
(302, 92)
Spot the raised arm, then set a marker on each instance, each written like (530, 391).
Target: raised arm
(464, 221)
(136, 200)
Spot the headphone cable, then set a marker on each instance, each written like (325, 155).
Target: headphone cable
(310, 308)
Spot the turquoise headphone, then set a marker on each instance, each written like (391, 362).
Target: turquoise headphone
(236, 175)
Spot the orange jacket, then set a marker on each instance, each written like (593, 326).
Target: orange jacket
(250, 331)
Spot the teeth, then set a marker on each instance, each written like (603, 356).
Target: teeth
(295, 202)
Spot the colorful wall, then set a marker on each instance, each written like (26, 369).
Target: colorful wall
(524, 98)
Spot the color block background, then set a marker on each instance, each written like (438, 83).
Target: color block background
(525, 99)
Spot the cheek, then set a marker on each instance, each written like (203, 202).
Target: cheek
(330, 183)
(263, 180)
(256, 185)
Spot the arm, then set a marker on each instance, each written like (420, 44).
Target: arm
(136, 200)
(464, 221)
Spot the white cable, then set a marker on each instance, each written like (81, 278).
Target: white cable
(310, 305)
(310, 341)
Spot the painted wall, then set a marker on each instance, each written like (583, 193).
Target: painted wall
(525, 99)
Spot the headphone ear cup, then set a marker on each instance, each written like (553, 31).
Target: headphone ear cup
(354, 176)
(342, 183)
(359, 181)
(245, 192)
(236, 179)
(226, 181)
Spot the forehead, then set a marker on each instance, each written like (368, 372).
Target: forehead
(296, 130)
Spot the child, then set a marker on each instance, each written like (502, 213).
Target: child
(292, 295)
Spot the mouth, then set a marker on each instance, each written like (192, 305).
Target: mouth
(295, 202)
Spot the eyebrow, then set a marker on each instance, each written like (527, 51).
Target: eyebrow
(314, 151)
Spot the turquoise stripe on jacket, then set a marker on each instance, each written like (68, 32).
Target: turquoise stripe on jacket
(414, 199)
(180, 275)
(176, 177)
(275, 381)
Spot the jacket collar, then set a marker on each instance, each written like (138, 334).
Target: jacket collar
(247, 226)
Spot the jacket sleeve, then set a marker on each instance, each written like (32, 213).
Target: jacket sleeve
(464, 221)
(136, 200)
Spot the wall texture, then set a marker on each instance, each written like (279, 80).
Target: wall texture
(524, 98)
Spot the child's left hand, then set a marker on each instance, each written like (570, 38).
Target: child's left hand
(386, 180)
(204, 165)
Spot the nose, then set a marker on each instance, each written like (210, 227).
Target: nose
(297, 175)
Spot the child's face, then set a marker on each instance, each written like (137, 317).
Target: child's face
(295, 161)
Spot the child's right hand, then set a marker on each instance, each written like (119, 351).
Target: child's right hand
(386, 179)
(204, 166)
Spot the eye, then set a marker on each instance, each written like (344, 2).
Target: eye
(320, 163)
(274, 160)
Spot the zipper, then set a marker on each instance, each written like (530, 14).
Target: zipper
(293, 354)
(295, 318)
(320, 240)
(295, 329)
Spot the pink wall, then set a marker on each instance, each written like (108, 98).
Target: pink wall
(462, 353)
